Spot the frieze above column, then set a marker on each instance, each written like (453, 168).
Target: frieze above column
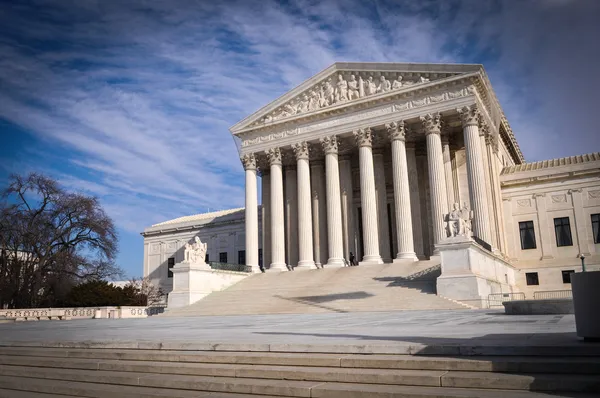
(432, 123)
(363, 137)
(396, 131)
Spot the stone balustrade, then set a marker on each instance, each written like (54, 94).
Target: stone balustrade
(35, 314)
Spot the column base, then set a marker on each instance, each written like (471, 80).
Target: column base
(410, 257)
(278, 267)
(371, 259)
(306, 265)
(255, 268)
(335, 263)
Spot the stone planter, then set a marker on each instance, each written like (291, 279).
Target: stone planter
(586, 297)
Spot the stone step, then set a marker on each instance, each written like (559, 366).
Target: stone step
(401, 348)
(27, 387)
(287, 388)
(133, 372)
(91, 359)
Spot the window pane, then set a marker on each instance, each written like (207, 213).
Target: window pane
(242, 257)
(566, 276)
(527, 235)
(596, 227)
(562, 229)
(223, 257)
(532, 278)
(170, 264)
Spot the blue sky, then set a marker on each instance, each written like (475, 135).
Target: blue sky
(131, 100)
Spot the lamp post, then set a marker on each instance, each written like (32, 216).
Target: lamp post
(582, 262)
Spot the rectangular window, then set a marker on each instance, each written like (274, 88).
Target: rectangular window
(260, 257)
(532, 278)
(242, 257)
(527, 235)
(170, 264)
(596, 227)
(206, 258)
(562, 229)
(566, 275)
(223, 257)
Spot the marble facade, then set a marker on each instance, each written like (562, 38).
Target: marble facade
(370, 159)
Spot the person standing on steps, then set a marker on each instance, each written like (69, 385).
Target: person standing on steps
(352, 259)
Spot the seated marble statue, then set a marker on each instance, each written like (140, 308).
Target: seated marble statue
(195, 252)
(458, 221)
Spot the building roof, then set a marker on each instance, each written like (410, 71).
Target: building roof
(546, 164)
(200, 217)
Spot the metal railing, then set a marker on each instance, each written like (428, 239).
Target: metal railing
(552, 294)
(496, 299)
(229, 267)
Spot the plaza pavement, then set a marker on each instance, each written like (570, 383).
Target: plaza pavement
(367, 332)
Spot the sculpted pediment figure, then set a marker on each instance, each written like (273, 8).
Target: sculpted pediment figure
(344, 83)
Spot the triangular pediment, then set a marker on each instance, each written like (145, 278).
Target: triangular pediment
(347, 83)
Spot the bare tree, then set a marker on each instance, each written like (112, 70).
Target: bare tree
(154, 295)
(51, 239)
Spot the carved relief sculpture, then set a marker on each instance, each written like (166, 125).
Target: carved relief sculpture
(384, 85)
(353, 89)
(341, 91)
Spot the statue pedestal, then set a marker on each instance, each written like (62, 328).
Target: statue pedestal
(470, 273)
(194, 281)
(187, 284)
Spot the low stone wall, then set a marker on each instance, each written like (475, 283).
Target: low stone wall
(538, 307)
(37, 314)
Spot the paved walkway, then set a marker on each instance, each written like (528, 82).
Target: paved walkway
(464, 328)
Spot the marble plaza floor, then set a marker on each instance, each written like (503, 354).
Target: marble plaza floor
(390, 331)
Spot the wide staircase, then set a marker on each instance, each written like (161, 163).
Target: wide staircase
(50, 372)
(384, 287)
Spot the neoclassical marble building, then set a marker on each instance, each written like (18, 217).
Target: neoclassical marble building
(369, 159)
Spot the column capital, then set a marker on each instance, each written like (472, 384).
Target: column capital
(249, 161)
(330, 144)
(432, 123)
(301, 150)
(469, 115)
(363, 137)
(396, 130)
(274, 156)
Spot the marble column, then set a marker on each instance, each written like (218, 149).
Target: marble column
(483, 132)
(382, 209)
(305, 227)
(319, 211)
(291, 220)
(277, 212)
(347, 206)
(334, 201)
(494, 199)
(415, 199)
(249, 162)
(448, 171)
(404, 229)
(475, 172)
(266, 216)
(437, 179)
(364, 140)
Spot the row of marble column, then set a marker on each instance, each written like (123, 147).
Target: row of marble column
(310, 236)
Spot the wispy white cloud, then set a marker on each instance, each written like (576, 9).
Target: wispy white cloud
(141, 93)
